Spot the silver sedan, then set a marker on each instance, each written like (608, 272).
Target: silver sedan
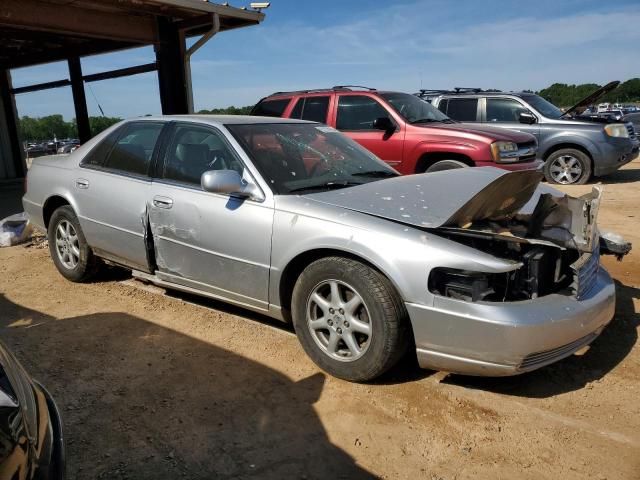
(479, 271)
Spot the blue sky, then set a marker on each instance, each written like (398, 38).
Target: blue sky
(401, 45)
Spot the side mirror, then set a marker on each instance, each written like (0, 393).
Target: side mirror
(229, 182)
(384, 123)
(527, 118)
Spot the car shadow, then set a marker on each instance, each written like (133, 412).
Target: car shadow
(142, 401)
(575, 372)
(627, 175)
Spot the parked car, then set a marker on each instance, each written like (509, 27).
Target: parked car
(479, 270)
(68, 147)
(30, 426)
(407, 133)
(634, 119)
(574, 148)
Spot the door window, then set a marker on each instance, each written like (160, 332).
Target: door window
(313, 109)
(194, 150)
(358, 112)
(133, 150)
(504, 110)
(271, 108)
(463, 109)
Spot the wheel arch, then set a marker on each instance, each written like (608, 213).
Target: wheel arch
(297, 264)
(428, 159)
(568, 144)
(50, 205)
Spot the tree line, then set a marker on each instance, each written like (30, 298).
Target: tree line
(563, 95)
(46, 128)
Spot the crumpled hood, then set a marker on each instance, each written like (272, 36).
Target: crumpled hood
(449, 198)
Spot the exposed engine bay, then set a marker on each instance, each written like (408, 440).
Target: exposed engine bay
(556, 243)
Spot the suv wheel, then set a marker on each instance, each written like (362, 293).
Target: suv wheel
(567, 166)
(349, 319)
(445, 165)
(69, 249)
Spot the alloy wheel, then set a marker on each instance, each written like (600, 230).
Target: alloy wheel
(67, 245)
(566, 169)
(339, 320)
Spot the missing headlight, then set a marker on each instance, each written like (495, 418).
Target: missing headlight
(461, 284)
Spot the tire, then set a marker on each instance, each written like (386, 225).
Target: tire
(567, 166)
(445, 165)
(68, 247)
(381, 311)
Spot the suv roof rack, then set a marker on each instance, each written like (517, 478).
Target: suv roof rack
(456, 90)
(351, 87)
(348, 88)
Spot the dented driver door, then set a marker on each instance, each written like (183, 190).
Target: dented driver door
(217, 244)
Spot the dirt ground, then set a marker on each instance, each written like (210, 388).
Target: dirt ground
(156, 386)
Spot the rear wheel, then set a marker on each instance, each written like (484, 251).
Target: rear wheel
(69, 250)
(349, 319)
(446, 165)
(567, 166)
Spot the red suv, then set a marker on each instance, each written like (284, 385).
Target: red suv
(404, 130)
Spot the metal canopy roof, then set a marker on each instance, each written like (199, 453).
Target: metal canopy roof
(42, 31)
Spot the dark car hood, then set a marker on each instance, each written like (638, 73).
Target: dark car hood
(495, 133)
(591, 98)
(452, 198)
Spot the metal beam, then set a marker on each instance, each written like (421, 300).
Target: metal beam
(122, 72)
(170, 55)
(11, 116)
(72, 19)
(215, 28)
(94, 77)
(41, 86)
(79, 99)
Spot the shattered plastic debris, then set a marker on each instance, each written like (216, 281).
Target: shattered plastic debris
(15, 229)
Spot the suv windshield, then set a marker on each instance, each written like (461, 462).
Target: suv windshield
(305, 157)
(546, 108)
(414, 109)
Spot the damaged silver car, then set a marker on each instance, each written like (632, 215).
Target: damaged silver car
(481, 271)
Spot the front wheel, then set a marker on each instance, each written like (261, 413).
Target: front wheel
(567, 166)
(349, 319)
(69, 250)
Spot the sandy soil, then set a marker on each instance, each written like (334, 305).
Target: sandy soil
(157, 386)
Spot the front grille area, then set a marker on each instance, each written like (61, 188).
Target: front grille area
(526, 146)
(585, 272)
(549, 356)
(631, 130)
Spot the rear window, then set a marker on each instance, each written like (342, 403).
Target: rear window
(271, 108)
(313, 109)
(463, 109)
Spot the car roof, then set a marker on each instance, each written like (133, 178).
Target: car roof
(220, 119)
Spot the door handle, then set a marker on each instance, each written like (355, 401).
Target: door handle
(162, 202)
(82, 183)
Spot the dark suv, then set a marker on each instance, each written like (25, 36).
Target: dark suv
(573, 147)
(403, 130)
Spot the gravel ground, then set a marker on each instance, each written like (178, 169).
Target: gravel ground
(156, 386)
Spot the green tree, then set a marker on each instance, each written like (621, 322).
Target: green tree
(232, 110)
(99, 124)
(564, 95)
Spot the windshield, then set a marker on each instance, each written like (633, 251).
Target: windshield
(414, 109)
(543, 106)
(306, 157)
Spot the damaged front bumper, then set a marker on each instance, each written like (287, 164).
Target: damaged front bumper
(500, 339)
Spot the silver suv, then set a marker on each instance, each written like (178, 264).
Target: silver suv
(574, 147)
